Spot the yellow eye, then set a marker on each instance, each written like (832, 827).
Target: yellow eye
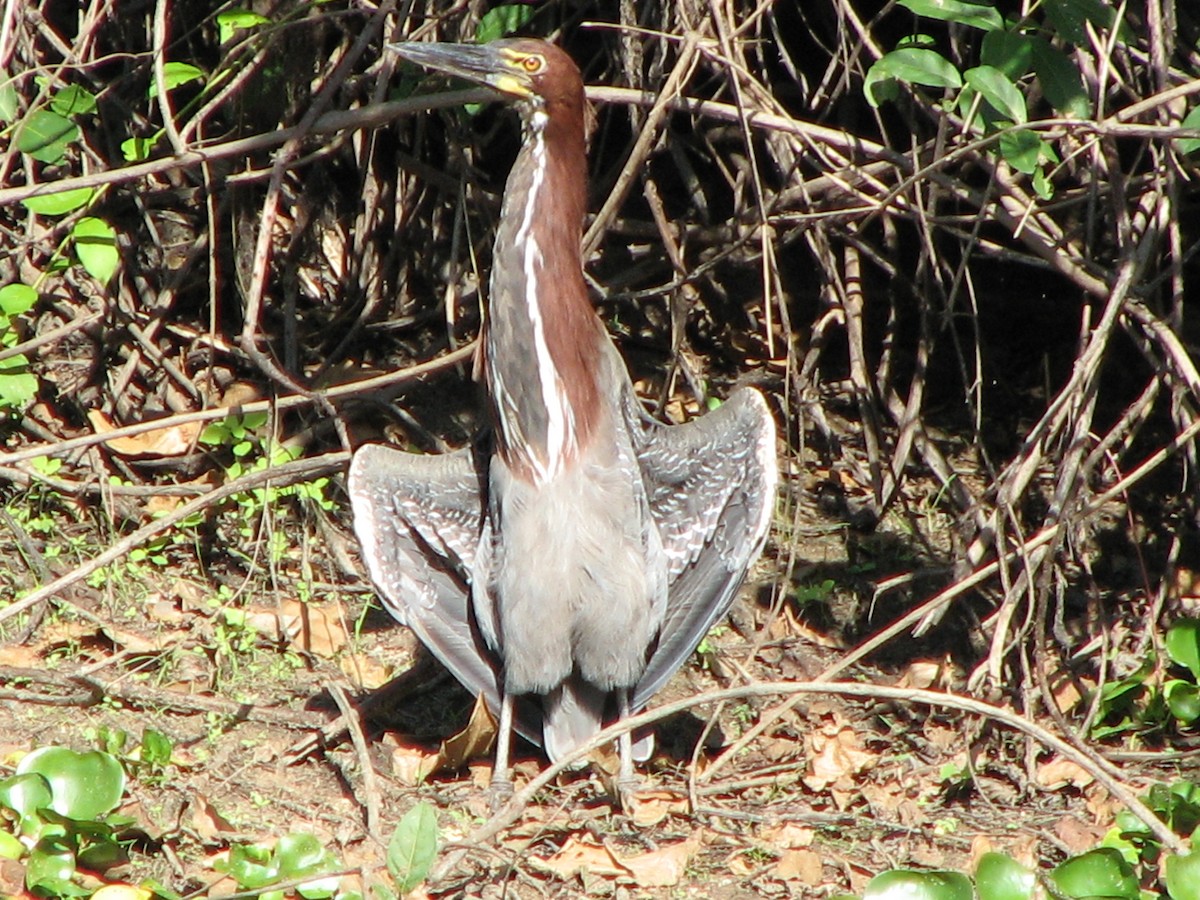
(532, 64)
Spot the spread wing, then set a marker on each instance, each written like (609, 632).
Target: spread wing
(420, 522)
(711, 485)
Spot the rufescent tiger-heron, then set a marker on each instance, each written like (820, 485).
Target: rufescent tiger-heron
(568, 573)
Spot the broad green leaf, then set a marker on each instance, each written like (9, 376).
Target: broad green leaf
(96, 247)
(1097, 874)
(59, 203)
(1000, 877)
(1000, 93)
(1183, 645)
(917, 65)
(45, 135)
(904, 884)
(1008, 51)
(73, 101)
(1183, 876)
(502, 21)
(18, 386)
(1060, 80)
(84, 785)
(25, 794)
(50, 866)
(1042, 185)
(250, 865)
(10, 847)
(1068, 18)
(977, 15)
(1183, 699)
(232, 20)
(413, 847)
(17, 298)
(1191, 120)
(879, 86)
(1022, 150)
(176, 74)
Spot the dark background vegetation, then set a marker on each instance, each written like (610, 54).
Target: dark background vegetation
(967, 377)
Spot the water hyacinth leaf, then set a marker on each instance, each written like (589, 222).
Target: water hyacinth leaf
(50, 866)
(45, 135)
(59, 203)
(84, 785)
(1000, 877)
(1183, 699)
(176, 74)
(1183, 876)
(1000, 93)
(1060, 80)
(1183, 645)
(413, 847)
(904, 884)
(1097, 873)
(96, 247)
(976, 15)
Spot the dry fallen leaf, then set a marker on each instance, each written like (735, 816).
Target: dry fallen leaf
(663, 867)
(835, 757)
(306, 626)
(209, 824)
(648, 808)
(473, 741)
(411, 765)
(575, 857)
(799, 865)
(173, 440)
(1060, 772)
(789, 836)
(1077, 836)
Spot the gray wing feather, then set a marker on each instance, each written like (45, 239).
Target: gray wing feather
(711, 484)
(420, 522)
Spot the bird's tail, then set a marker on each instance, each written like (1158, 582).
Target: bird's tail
(572, 713)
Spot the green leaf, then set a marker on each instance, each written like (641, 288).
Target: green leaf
(232, 20)
(84, 785)
(1000, 877)
(1191, 120)
(10, 847)
(1095, 874)
(45, 135)
(1183, 876)
(503, 21)
(1183, 699)
(96, 247)
(976, 15)
(50, 866)
(916, 65)
(9, 101)
(26, 795)
(137, 149)
(1060, 80)
(1068, 18)
(156, 748)
(413, 847)
(176, 74)
(17, 386)
(1022, 150)
(1000, 93)
(1183, 645)
(17, 298)
(59, 203)
(73, 101)
(1008, 51)
(904, 884)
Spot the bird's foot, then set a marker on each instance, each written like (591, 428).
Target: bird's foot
(624, 788)
(499, 792)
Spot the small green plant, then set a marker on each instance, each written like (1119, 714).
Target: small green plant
(1015, 54)
(294, 857)
(62, 807)
(18, 386)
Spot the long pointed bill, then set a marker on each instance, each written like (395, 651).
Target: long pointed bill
(483, 64)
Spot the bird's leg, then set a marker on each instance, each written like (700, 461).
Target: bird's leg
(501, 787)
(627, 781)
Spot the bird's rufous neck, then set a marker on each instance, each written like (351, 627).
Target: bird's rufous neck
(544, 339)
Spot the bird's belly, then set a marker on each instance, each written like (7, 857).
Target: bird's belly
(578, 578)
